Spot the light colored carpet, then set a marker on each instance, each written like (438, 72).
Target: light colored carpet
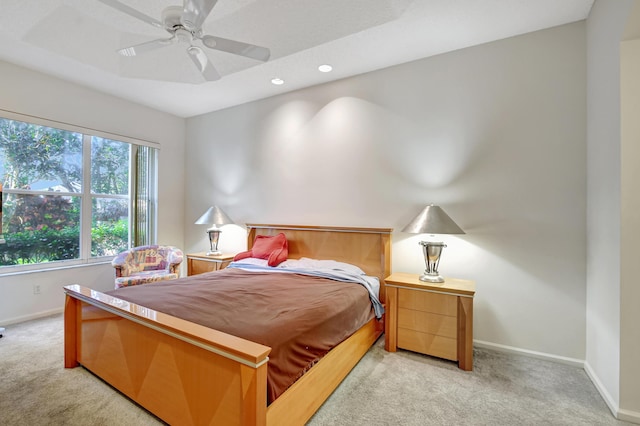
(400, 388)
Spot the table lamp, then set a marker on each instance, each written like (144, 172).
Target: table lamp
(215, 217)
(432, 220)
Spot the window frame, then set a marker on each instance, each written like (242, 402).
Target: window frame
(86, 196)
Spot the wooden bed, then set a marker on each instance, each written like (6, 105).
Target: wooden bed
(186, 373)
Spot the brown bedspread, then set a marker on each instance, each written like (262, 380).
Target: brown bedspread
(300, 317)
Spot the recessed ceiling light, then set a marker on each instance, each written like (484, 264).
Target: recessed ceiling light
(325, 68)
(277, 81)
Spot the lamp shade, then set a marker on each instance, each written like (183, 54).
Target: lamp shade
(432, 220)
(214, 216)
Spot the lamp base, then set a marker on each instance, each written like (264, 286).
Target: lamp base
(431, 278)
(214, 253)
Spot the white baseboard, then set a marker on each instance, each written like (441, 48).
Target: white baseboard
(608, 399)
(620, 414)
(533, 354)
(629, 416)
(30, 317)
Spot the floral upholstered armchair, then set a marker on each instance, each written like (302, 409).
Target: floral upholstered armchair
(147, 264)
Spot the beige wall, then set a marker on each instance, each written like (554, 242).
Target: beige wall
(495, 134)
(630, 229)
(32, 93)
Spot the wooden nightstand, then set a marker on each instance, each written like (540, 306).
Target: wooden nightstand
(431, 318)
(199, 263)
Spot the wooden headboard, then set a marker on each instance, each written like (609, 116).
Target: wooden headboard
(368, 248)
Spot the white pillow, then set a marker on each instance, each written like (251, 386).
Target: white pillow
(251, 261)
(306, 263)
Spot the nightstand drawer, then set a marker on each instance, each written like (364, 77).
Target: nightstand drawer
(441, 325)
(200, 267)
(425, 301)
(427, 343)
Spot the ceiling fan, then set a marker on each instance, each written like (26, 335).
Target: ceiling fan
(184, 24)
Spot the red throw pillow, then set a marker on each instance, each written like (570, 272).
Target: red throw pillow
(275, 249)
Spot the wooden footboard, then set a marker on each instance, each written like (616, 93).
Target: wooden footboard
(181, 372)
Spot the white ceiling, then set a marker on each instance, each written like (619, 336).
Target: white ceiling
(76, 40)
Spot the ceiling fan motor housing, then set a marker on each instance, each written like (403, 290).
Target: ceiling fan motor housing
(171, 18)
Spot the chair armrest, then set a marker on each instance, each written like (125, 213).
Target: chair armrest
(120, 264)
(120, 260)
(174, 258)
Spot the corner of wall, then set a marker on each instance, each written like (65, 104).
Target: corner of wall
(608, 399)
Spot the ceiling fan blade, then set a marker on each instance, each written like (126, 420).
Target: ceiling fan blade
(237, 47)
(195, 12)
(132, 12)
(145, 47)
(203, 64)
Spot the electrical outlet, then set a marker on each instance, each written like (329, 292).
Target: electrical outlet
(36, 289)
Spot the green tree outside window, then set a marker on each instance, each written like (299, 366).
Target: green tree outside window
(44, 187)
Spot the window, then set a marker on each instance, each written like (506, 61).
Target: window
(72, 195)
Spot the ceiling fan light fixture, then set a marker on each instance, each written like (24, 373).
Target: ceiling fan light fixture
(183, 35)
(277, 81)
(325, 68)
